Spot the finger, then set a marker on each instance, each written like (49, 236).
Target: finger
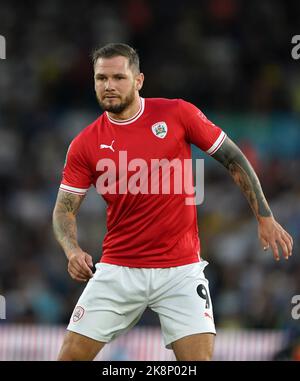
(290, 238)
(284, 247)
(77, 272)
(81, 266)
(275, 250)
(86, 268)
(288, 242)
(78, 277)
(291, 242)
(89, 260)
(76, 268)
(265, 244)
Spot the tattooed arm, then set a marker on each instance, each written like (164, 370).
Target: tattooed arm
(65, 231)
(269, 230)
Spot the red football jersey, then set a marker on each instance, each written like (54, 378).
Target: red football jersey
(146, 225)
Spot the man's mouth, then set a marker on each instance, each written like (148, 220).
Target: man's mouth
(111, 96)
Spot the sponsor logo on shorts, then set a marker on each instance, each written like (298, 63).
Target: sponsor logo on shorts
(78, 313)
(206, 314)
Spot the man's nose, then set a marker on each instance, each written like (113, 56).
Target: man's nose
(109, 85)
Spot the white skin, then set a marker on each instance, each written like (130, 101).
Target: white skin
(117, 86)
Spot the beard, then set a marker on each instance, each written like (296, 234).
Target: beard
(118, 108)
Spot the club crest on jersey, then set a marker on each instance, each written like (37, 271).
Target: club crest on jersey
(160, 129)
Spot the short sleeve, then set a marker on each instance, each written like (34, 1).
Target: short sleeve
(77, 176)
(199, 130)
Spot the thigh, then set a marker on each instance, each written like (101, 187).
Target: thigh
(110, 305)
(77, 347)
(198, 347)
(184, 305)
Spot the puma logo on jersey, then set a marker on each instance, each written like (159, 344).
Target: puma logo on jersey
(106, 146)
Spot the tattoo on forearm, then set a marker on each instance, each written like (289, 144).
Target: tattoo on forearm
(244, 176)
(64, 219)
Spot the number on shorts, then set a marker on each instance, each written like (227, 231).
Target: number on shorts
(203, 293)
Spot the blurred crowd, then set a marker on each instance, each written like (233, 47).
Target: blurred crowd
(232, 59)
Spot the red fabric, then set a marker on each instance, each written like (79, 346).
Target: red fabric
(144, 230)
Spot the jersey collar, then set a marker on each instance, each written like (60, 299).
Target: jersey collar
(130, 120)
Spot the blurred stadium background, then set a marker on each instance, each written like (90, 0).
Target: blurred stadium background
(232, 58)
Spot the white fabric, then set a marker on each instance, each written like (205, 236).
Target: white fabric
(116, 297)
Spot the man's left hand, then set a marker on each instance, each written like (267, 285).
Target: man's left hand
(271, 233)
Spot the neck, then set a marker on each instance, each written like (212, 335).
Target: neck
(129, 112)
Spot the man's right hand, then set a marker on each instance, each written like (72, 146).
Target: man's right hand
(80, 264)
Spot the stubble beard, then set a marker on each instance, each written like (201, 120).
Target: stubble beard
(118, 108)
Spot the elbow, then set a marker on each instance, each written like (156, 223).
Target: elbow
(54, 215)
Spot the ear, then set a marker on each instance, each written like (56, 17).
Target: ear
(139, 81)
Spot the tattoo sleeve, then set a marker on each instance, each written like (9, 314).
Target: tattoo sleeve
(244, 176)
(64, 220)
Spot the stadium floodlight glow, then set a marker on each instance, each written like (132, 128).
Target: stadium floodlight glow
(2, 307)
(2, 48)
(156, 176)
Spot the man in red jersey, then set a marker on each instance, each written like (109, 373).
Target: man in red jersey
(151, 252)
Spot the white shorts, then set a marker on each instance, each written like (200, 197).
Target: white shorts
(116, 297)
